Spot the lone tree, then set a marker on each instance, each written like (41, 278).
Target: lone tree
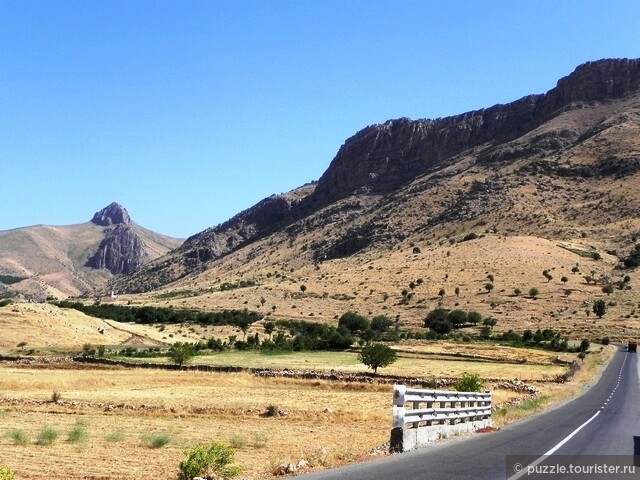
(600, 308)
(547, 275)
(181, 353)
(377, 355)
(534, 292)
(488, 287)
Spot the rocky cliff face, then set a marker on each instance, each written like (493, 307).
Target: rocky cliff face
(122, 250)
(382, 159)
(379, 158)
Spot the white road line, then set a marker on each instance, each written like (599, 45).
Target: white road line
(571, 435)
(551, 452)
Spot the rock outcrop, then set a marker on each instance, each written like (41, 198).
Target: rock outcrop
(122, 250)
(379, 158)
(112, 214)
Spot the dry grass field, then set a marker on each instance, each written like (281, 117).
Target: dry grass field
(122, 412)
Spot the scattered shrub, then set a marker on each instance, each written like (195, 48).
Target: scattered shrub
(211, 460)
(156, 440)
(115, 436)
(237, 441)
(271, 410)
(18, 436)
(470, 382)
(47, 436)
(259, 440)
(77, 434)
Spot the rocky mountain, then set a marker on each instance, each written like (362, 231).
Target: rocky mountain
(537, 166)
(122, 249)
(60, 261)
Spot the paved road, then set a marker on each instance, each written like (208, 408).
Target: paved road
(607, 416)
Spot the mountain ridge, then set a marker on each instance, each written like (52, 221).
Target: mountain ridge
(380, 160)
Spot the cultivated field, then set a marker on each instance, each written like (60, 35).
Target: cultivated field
(125, 412)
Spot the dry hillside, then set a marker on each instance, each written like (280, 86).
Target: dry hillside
(548, 182)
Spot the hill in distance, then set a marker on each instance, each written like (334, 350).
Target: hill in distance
(60, 261)
(412, 207)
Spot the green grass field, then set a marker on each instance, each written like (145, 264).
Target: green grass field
(406, 365)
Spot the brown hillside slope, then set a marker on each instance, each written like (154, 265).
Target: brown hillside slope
(547, 190)
(53, 261)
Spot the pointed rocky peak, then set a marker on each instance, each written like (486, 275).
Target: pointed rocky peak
(112, 214)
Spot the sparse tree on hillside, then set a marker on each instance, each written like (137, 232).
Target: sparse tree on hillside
(534, 292)
(600, 308)
(485, 332)
(303, 288)
(564, 280)
(381, 323)
(269, 327)
(490, 322)
(608, 289)
(474, 317)
(491, 277)
(584, 345)
(437, 321)
(441, 293)
(457, 291)
(354, 322)
(457, 317)
(488, 287)
(547, 275)
(517, 291)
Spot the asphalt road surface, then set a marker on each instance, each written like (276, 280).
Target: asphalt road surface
(603, 421)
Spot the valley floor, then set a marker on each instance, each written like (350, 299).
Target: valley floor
(117, 423)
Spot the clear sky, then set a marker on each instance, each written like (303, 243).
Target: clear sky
(187, 112)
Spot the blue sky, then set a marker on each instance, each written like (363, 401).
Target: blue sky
(187, 112)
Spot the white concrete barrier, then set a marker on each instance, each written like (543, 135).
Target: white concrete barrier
(443, 413)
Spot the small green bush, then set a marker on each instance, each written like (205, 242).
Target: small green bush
(55, 397)
(47, 436)
(236, 441)
(116, 436)
(6, 473)
(213, 459)
(156, 440)
(259, 440)
(470, 382)
(77, 434)
(18, 436)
